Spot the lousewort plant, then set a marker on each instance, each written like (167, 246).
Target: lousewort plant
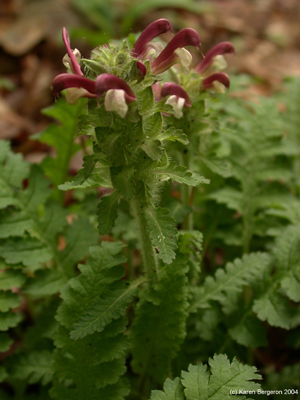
(126, 321)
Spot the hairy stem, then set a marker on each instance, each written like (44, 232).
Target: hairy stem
(147, 249)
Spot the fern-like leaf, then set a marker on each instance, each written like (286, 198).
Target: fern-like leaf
(272, 306)
(215, 384)
(107, 213)
(230, 280)
(159, 327)
(61, 138)
(162, 231)
(91, 367)
(111, 305)
(180, 174)
(34, 367)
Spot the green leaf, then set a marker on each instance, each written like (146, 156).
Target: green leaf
(162, 232)
(15, 224)
(196, 382)
(111, 305)
(159, 327)
(45, 283)
(5, 342)
(230, 280)
(152, 125)
(79, 237)
(81, 293)
(94, 172)
(34, 367)
(13, 171)
(145, 100)
(173, 135)
(100, 178)
(173, 390)
(249, 332)
(229, 196)
(223, 377)
(11, 278)
(61, 137)
(180, 174)
(123, 180)
(8, 300)
(107, 212)
(286, 252)
(276, 310)
(37, 191)
(28, 251)
(3, 374)
(9, 320)
(214, 384)
(152, 148)
(272, 306)
(95, 363)
(217, 166)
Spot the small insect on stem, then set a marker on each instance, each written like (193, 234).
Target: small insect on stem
(156, 249)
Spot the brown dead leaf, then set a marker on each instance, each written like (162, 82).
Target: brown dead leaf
(10, 122)
(39, 20)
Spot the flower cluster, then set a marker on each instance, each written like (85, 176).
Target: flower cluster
(149, 57)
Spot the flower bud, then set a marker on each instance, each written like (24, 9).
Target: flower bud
(74, 65)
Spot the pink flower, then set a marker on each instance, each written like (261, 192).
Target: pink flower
(72, 56)
(105, 82)
(66, 81)
(153, 30)
(218, 50)
(178, 98)
(214, 58)
(169, 56)
(218, 81)
(211, 65)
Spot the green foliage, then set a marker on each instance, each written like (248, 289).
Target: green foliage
(107, 213)
(198, 383)
(61, 138)
(91, 366)
(230, 281)
(37, 366)
(110, 306)
(275, 305)
(208, 268)
(160, 324)
(162, 232)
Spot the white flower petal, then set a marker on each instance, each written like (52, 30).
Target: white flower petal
(218, 64)
(177, 103)
(185, 57)
(115, 101)
(219, 87)
(67, 61)
(153, 50)
(73, 94)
